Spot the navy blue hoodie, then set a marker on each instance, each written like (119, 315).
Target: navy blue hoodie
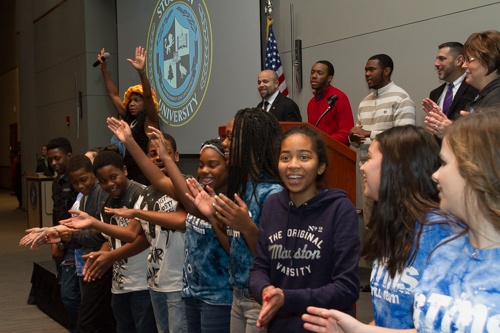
(311, 252)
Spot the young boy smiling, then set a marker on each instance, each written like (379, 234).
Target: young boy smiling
(131, 301)
(158, 216)
(95, 307)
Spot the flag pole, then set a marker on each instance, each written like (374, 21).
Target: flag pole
(273, 60)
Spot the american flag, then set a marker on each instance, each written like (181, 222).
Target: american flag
(273, 60)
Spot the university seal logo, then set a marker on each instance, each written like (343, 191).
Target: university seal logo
(179, 59)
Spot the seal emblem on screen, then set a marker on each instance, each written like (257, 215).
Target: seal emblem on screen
(179, 59)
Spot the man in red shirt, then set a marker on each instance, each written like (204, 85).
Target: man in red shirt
(339, 120)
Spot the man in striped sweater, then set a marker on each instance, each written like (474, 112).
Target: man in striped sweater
(385, 107)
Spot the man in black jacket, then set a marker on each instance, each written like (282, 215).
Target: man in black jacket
(448, 63)
(283, 108)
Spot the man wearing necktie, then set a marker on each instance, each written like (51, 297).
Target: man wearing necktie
(452, 96)
(282, 107)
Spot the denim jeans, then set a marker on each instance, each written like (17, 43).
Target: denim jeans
(244, 312)
(70, 288)
(169, 311)
(133, 312)
(207, 318)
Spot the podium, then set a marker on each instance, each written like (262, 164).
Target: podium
(341, 169)
(40, 204)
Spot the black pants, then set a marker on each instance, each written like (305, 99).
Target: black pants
(95, 308)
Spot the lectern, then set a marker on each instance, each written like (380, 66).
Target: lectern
(40, 204)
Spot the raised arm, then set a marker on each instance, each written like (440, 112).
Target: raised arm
(139, 63)
(110, 87)
(161, 182)
(175, 175)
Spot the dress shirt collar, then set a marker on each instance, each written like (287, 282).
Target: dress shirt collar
(271, 99)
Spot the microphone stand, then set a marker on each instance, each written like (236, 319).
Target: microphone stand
(331, 102)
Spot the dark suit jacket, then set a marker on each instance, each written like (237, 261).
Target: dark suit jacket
(465, 94)
(284, 109)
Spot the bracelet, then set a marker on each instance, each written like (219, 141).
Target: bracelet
(142, 72)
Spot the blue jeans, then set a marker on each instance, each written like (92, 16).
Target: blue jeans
(204, 318)
(70, 288)
(244, 312)
(169, 311)
(133, 312)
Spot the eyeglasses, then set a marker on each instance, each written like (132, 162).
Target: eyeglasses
(469, 59)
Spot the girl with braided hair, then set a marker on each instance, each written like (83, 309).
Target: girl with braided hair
(139, 109)
(251, 151)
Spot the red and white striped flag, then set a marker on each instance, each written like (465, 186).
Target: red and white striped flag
(273, 60)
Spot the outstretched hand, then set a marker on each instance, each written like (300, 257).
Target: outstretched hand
(122, 212)
(140, 59)
(331, 321)
(204, 201)
(38, 236)
(31, 236)
(81, 220)
(120, 129)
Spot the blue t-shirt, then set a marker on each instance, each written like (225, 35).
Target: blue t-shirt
(393, 297)
(205, 264)
(459, 290)
(241, 258)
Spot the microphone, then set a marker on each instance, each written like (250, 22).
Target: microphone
(331, 102)
(104, 57)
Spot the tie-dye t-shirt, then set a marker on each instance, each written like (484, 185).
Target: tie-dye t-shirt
(241, 258)
(205, 264)
(393, 297)
(459, 290)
